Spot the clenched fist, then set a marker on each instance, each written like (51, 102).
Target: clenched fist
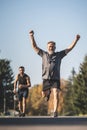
(31, 33)
(78, 37)
(20, 86)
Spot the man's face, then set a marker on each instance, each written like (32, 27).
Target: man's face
(51, 48)
(21, 71)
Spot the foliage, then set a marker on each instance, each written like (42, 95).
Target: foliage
(6, 77)
(76, 96)
(35, 103)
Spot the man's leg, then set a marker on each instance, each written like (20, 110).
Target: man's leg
(20, 106)
(24, 104)
(46, 94)
(46, 89)
(20, 103)
(56, 100)
(25, 95)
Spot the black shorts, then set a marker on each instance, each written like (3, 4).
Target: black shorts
(22, 93)
(48, 84)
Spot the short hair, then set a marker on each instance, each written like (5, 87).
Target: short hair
(21, 67)
(51, 42)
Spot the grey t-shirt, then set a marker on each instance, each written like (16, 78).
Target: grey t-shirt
(51, 64)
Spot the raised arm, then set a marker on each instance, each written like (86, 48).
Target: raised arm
(33, 42)
(73, 44)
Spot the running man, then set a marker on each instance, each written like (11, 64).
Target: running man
(23, 81)
(51, 62)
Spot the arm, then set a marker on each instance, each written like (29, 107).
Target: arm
(33, 42)
(73, 44)
(15, 84)
(28, 82)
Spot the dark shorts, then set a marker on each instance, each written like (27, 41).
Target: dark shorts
(48, 84)
(22, 93)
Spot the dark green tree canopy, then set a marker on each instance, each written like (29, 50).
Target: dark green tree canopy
(6, 71)
(77, 91)
(6, 78)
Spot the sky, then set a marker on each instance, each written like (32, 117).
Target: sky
(56, 20)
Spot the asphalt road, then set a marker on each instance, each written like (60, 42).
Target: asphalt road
(43, 123)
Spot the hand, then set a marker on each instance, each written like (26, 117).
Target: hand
(14, 91)
(78, 37)
(31, 33)
(20, 86)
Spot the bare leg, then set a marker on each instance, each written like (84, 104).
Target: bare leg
(45, 93)
(20, 106)
(24, 105)
(55, 102)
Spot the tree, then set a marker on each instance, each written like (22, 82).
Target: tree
(6, 87)
(69, 99)
(35, 103)
(76, 95)
(80, 87)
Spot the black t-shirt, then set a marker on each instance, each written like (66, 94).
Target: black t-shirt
(22, 80)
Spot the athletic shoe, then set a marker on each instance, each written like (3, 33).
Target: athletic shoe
(23, 115)
(55, 114)
(19, 113)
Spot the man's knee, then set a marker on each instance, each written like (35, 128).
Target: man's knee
(55, 93)
(24, 100)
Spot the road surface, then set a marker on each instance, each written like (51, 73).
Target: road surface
(43, 123)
